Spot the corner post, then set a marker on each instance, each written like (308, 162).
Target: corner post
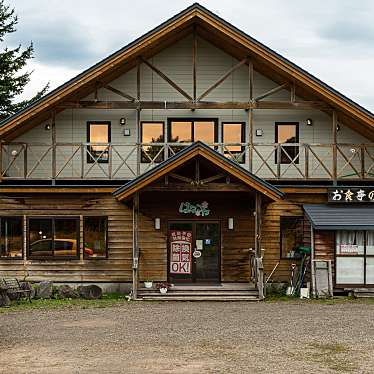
(138, 111)
(135, 248)
(312, 272)
(258, 257)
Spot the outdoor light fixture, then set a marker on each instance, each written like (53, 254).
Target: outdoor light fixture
(47, 127)
(157, 223)
(122, 121)
(14, 153)
(259, 132)
(309, 122)
(126, 132)
(337, 127)
(230, 223)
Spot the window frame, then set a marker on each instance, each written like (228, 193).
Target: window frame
(6, 258)
(242, 137)
(53, 218)
(160, 158)
(192, 120)
(364, 256)
(302, 218)
(90, 159)
(296, 147)
(86, 257)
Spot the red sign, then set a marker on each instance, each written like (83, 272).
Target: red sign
(180, 252)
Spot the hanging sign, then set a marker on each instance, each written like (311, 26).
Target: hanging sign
(349, 249)
(351, 195)
(180, 252)
(199, 210)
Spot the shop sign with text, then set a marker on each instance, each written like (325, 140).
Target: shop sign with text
(351, 195)
(199, 210)
(180, 252)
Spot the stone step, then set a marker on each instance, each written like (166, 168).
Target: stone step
(199, 298)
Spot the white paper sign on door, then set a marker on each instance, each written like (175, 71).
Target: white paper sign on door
(180, 252)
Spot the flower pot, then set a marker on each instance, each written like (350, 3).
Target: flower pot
(148, 284)
(163, 290)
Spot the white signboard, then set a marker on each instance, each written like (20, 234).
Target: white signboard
(349, 249)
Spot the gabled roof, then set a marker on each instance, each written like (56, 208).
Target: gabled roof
(159, 38)
(194, 150)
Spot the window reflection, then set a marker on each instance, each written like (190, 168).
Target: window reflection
(98, 133)
(287, 133)
(152, 132)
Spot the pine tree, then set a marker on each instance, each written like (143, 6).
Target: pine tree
(12, 82)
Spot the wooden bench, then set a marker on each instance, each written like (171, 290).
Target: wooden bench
(15, 289)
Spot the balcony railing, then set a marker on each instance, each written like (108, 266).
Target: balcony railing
(125, 161)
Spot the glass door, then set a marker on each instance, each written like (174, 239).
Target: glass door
(194, 252)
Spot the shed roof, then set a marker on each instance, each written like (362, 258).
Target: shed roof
(342, 217)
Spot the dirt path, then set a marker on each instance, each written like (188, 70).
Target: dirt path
(193, 337)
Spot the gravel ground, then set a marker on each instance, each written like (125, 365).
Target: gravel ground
(191, 337)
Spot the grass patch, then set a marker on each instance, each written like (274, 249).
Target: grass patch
(108, 300)
(331, 355)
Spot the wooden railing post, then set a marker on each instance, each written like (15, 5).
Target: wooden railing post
(306, 161)
(278, 160)
(362, 160)
(54, 161)
(25, 160)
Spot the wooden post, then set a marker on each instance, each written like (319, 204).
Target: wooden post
(194, 56)
(334, 146)
(135, 249)
(258, 259)
(138, 145)
(1, 160)
(250, 115)
(53, 128)
(312, 260)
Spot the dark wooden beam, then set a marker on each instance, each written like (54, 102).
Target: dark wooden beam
(210, 187)
(271, 92)
(167, 79)
(119, 92)
(194, 57)
(222, 79)
(191, 105)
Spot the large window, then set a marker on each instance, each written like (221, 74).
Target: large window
(152, 132)
(287, 133)
(355, 257)
(11, 237)
(95, 237)
(192, 130)
(291, 235)
(56, 237)
(233, 133)
(98, 135)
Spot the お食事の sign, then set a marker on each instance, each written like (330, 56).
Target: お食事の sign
(199, 210)
(351, 195)
(180, 252)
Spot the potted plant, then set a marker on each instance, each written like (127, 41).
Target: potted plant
(163, 287)
(148, 283)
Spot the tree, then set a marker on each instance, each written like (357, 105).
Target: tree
(12, 81)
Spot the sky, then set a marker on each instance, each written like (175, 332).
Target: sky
(332, 39)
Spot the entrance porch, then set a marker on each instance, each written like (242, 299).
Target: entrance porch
(197, 227)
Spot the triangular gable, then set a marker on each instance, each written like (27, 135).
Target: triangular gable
(194, 150)
(164, 35)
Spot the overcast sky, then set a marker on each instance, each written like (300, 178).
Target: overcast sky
(332, 39)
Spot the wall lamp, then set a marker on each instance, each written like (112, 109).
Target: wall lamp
(309, 122)
(47, 127)
(122, 121)
(230, 223)
(157, 223)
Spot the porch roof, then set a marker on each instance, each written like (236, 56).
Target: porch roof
(328, 217)
(194, 150)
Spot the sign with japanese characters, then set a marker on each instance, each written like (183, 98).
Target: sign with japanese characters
(351, 195)
(349, 249)
(199, 210)
(180, 252)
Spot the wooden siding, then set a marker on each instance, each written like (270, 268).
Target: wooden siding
(117, 268)
(175, 61)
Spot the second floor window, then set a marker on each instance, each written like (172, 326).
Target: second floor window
(98, 135)
(192, 130)
(287, 132)
(233, 133)
(152, 132)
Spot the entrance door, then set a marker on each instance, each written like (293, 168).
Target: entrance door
(194, 252)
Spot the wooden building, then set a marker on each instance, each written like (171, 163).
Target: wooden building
(175, 156)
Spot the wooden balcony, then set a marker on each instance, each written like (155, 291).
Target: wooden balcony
(78, 161)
